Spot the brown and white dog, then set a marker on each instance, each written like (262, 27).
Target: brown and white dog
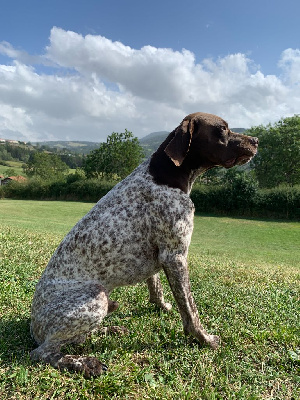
(142, 226)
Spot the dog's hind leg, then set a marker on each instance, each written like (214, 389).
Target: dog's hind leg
(69, 317)
(156, 293)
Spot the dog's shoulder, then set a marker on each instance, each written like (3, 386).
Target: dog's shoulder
(140, 188)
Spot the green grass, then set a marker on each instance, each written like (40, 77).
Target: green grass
(15, 168)
(245, 280)
(248, 240)
(55, 217)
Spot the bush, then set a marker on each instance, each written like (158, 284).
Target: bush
(88, 189)
(31, 189)
(37, 189)
(237, 196)
(283, 201)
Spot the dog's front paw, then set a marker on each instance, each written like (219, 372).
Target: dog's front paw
(203, 337)
(162, 305)
(166, 306)
(214, 341)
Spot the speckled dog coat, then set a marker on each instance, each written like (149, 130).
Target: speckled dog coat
(144, 224)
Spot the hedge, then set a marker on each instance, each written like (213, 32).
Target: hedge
(281, 202)
(241, 198)
(81, 190)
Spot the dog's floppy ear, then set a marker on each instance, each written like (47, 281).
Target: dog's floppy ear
(178, 147)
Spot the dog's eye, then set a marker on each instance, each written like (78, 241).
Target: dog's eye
(222, 134)
(222, 130)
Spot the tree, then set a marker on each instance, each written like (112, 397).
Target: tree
(278, 158)
(118, 156)
(10, 172)
(46, 166)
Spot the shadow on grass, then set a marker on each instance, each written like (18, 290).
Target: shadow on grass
(15, 340)
(150, 309)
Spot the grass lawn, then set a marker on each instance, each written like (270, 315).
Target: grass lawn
(245, 280)
(248, 240)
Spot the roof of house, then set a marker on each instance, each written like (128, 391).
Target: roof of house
(17, 178)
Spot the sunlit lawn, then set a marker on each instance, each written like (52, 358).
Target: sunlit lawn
(245, 280)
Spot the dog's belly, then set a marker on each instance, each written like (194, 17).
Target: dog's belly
(128, 273)
(122, 264)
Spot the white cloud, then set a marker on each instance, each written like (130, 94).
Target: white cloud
(14, 120)
(290, 63)
(99, 86)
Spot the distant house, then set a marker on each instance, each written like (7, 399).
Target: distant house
(18, 178)
(12, 141)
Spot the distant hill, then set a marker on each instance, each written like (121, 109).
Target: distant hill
(154, 136)
(152, 141)
(81, 147)
(149, 143)
(238, 130)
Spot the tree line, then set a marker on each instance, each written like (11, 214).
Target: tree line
(25, 152)
(276, 165)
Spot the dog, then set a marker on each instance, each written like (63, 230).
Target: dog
(142, 226)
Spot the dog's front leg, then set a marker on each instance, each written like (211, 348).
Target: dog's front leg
(156, 293)
(175, 267)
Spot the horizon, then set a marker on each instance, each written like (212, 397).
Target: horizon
(89, 141)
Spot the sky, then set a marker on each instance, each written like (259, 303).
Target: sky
(82, 69)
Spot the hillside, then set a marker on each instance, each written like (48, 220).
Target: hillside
(238, 130)
(81, 147)
(151, 142)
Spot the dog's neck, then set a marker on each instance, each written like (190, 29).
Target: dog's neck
(165, 172)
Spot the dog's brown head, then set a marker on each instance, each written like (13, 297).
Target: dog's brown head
(200, 142)
(206, 141)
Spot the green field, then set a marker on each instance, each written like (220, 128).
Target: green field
(12, 168)
(245, 280)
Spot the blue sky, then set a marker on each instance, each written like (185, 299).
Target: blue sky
(78, 70)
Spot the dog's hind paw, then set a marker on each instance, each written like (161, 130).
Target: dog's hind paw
(88, 366)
